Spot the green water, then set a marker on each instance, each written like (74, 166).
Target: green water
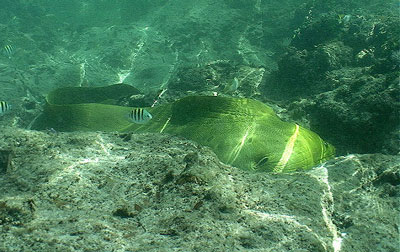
(329, 68)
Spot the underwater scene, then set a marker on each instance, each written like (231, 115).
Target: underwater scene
(207, 125)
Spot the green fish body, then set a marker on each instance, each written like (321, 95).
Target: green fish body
(244, 133)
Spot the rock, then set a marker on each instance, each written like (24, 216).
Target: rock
(361, 114)
(102, 191)
(303, 72)
(349, 79)
(366, 191)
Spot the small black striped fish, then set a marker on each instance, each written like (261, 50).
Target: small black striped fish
(139, 115)
(8, 51)
(4, 107)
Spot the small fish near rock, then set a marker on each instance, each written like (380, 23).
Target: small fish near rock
(4, 107)
(139, 116)
(8, 51)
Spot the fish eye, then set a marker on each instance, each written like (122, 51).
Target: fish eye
(261, 162)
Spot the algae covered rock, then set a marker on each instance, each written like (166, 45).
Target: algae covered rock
(163, 193)
(242, 132)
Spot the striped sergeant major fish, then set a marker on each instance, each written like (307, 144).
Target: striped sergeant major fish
(8, 51)
(139, 116)
(4, 107)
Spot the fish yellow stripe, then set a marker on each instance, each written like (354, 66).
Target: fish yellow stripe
(238, 148)
(165, 125)
(287, 152)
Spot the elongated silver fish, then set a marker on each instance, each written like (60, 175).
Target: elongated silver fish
(139, 115)
(8, 51)
(4, 107)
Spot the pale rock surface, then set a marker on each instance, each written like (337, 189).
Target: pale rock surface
(153, 192)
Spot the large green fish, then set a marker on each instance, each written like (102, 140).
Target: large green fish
(242, 132)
